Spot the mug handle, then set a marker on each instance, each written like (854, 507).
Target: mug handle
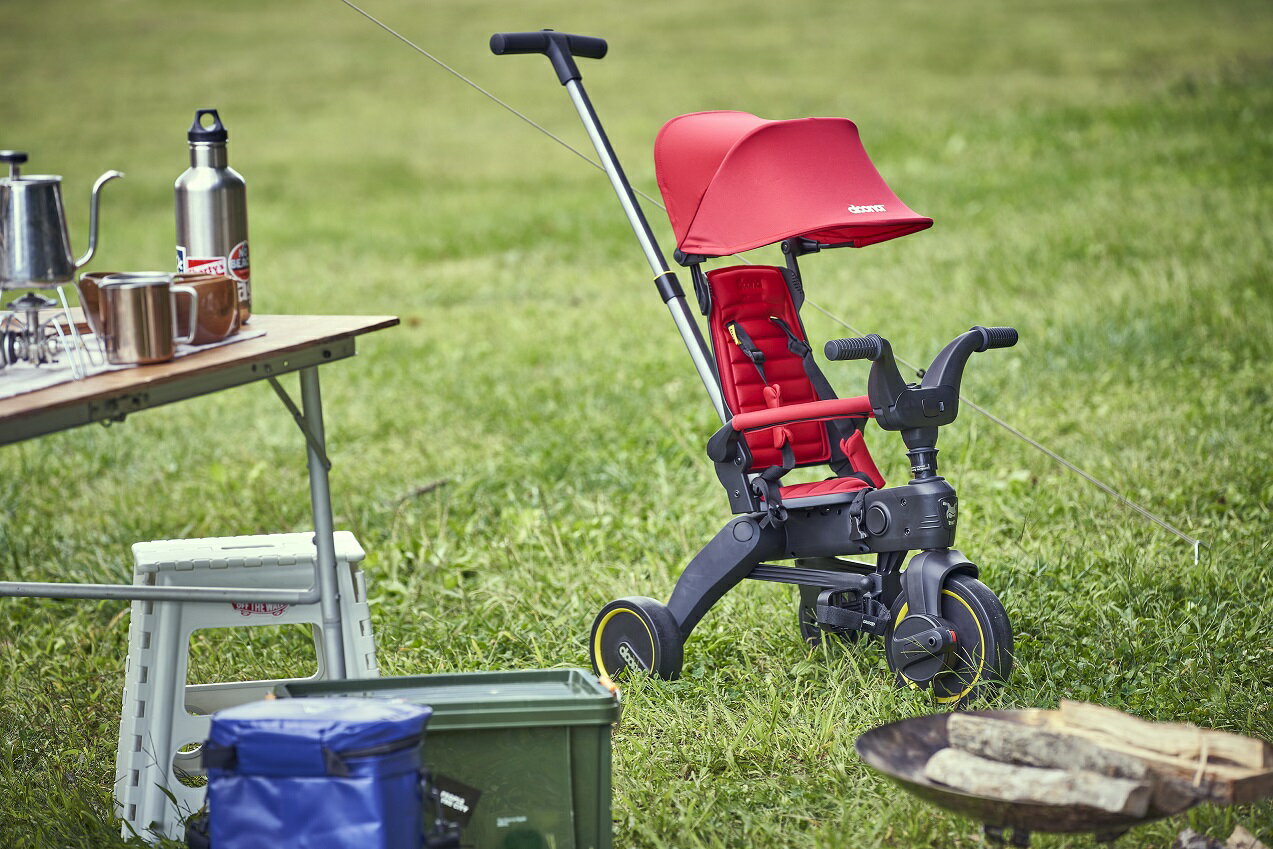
(194, 312)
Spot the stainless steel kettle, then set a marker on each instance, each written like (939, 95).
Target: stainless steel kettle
(35, 248)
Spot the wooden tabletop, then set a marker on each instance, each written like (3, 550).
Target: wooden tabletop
(290, 343)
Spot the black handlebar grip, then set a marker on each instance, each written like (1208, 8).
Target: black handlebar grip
(854, 348)
(996, 337)
(559, 47)
(504, 43)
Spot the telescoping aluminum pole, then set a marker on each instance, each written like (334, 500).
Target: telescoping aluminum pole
(561, 48)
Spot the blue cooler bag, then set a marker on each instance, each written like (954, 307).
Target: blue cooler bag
(316, 774)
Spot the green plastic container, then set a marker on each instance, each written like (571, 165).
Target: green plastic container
(536, 743)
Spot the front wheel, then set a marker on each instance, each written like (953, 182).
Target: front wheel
(636, 633)
(981, 658)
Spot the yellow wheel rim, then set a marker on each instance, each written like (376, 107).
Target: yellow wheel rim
(601, 627)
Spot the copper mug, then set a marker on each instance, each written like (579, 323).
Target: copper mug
(216, 294)
(139, 317)
(217, 311)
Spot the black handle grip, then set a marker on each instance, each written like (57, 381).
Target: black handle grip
(996, 337)
(854, 348)
(559, 47)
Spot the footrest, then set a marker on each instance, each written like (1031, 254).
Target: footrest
(857, 614)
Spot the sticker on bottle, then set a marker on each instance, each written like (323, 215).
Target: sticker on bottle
(208, 265)
(240, 268)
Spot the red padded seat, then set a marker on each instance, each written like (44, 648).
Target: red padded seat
(826, 487)
(749, 295)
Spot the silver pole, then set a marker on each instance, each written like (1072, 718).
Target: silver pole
(320, 501)
(126, 592)
(690, 333)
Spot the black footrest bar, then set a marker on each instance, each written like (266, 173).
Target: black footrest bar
(826, 578)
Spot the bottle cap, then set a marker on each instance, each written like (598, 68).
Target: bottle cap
(199, 133)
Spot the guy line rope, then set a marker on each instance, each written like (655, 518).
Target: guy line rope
(1092, 479)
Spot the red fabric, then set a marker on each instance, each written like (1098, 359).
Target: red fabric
(827, 487)
(837, 408)
(860, 459)
(749, 295)
(733, 182)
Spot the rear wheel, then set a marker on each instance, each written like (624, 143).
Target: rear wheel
(981, 658)
(636, 633)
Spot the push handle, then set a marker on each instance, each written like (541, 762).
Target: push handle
(854, 348)
(561, 48)
(996, 337)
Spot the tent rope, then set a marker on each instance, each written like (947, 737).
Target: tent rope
(1090, 478)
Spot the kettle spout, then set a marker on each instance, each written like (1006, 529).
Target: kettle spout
(92, 216)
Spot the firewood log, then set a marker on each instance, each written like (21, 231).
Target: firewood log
(982, 777)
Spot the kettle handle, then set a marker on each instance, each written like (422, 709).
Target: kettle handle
(92, 216)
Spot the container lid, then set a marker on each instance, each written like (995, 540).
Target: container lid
(200, 133)
(298, 736)
(521, 698)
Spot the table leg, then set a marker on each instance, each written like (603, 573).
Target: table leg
(320, 501)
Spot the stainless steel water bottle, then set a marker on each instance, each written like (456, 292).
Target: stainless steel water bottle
(212, 210)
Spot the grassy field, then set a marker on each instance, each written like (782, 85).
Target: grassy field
(1101, 175)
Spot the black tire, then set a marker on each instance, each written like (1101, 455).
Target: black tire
(636, 632)
(982, 659)
(807, 621)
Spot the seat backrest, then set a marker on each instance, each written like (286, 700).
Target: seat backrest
(751, 296)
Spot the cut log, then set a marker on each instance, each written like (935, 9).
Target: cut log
(1175, 739)
(1012, 742)
(1190, 839)
(1032, 745)
(982, 777)
(1243, 839)
(1224, 784)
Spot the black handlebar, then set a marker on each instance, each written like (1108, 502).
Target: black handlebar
(559, 47)
(996, 337)
(854, 348)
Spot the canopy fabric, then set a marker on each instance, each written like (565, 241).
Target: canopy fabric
(733, 182)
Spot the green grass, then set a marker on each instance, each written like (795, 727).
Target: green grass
(1101, 178)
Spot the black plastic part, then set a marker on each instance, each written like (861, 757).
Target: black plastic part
(559, 47)
(702, 290)
(918, 646)
(730, 557)
(855, 348)
(636, 632)
(996, 337)
(669, 287)
(682, 258)
(836, 581)
(732, 458)
(200, 133)
(13, 157)
(924, 578)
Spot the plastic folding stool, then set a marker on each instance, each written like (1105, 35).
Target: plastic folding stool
(162, 715)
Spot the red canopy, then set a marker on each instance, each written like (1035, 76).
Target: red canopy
(733, 182)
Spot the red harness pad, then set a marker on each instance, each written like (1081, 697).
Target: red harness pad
(750, 295)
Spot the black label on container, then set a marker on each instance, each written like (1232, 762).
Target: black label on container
(458, 799)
